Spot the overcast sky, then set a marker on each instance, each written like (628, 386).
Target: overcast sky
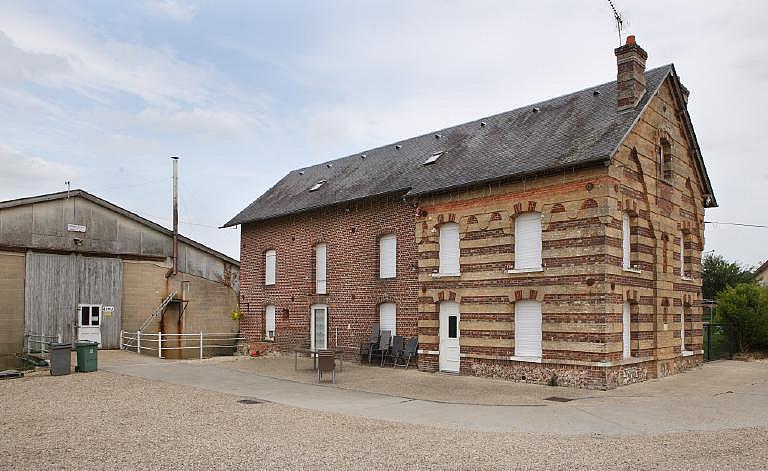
(102, 93)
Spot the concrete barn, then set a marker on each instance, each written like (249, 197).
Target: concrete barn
(76, 266)
(559, 242)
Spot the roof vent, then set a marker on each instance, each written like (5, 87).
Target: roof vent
(398, 147)
(301, 172)
(329, 165)
(596, 93)
(362, 156)
(536, 109)
(438, 136)
(433, 158)
(317, 185)
(483, 123)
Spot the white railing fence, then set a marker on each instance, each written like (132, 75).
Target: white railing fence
(36, 343)
(142, 342)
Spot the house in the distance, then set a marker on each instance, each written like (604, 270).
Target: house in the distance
(561, 239)
(761, 274)
(76, 267)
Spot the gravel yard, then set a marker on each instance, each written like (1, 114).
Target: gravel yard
(103, 420)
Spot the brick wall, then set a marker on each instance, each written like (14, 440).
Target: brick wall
(354, 289)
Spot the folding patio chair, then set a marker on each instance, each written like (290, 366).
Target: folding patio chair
(369, 347)
(411, 347)
(386, 335)
(326, 363)
(396, 350)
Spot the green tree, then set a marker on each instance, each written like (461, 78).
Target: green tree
(717, 274)
(744, 309)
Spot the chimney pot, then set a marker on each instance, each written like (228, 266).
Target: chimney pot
(630, 77)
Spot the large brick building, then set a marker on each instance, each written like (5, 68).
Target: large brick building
(562, 240)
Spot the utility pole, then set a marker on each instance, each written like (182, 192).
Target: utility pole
(175, 214)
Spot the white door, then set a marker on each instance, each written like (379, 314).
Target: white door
(89, 322)
(449, 337)
(319, 327)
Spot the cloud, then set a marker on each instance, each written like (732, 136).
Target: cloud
(208, 121)
(26, 175)
(175, 10)
(17, 65)
(105, 69)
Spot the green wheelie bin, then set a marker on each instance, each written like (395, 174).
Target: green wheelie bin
(87, 356)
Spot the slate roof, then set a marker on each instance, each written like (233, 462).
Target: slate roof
(117, 209)
(573, 130)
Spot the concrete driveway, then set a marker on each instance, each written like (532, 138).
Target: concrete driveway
(720, 395)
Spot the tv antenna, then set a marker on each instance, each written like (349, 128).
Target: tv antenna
(617, 17)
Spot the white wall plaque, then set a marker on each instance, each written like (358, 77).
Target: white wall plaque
(75, 228)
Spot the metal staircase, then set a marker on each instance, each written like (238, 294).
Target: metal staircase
(158, 311)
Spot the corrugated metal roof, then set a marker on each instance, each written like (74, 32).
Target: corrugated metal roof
(569, 131)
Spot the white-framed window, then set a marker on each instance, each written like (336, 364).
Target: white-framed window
(90, 315)
(528, 329)
(388, 256)
(626, 337)
(626, 243)
(269, 322)
(528, 241)
(320, 269)
(270, 267)
(388, 317)
(449, 249)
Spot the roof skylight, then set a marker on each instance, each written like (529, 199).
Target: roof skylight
(433, 158)
(317, 185)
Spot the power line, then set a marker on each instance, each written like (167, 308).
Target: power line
(736, 224)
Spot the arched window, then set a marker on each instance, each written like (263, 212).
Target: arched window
(626, 244)
(387, 256)
(270, 267)
(528, 329)
(626, 320)
(269, 322)
(528, 241)
(320, 269)
(665, 159)
(388, 317)
(449, 249)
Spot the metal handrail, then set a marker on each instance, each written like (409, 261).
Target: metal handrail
(133, 340)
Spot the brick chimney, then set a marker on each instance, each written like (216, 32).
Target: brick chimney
(630, 59)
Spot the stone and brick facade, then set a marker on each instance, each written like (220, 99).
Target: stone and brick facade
(654, 178)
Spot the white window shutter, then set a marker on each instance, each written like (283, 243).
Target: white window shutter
(269, 321)
(388, 256)
(682, 329)
(528, 329)
(320, 268)
(528, 241)
(626, 337)
(682, 255)
(388, 317)
(270, 264)
(625, 242)
(449, 249)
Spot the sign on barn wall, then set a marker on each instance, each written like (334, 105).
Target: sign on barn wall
(76, 228)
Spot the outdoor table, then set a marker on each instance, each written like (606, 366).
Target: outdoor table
(339, 352)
